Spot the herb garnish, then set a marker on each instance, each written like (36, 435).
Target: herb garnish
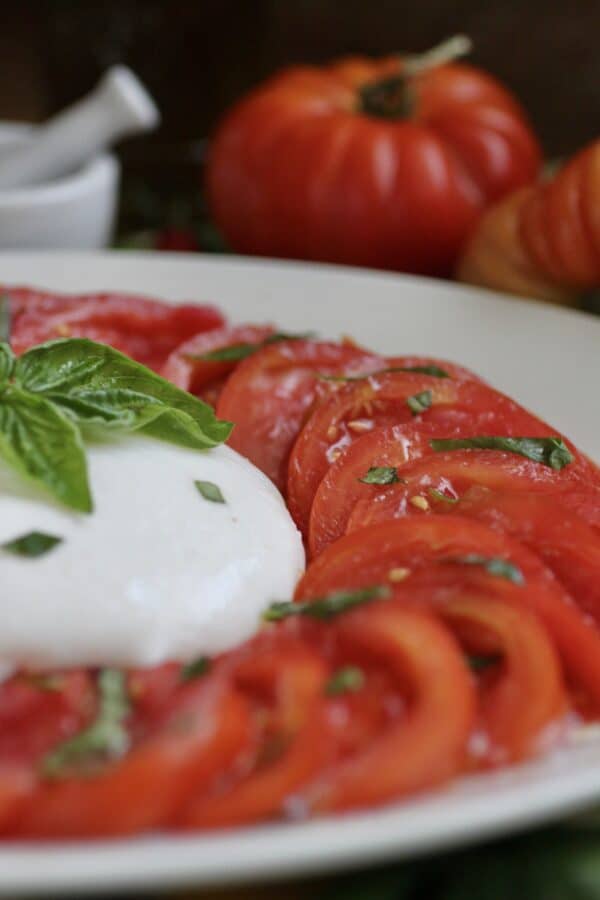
(236, 352)
(56, 391)
(495, 565)
(382, 475)
(418, 403)
(550, 451)
(481, 663)
(439, 495)
(195, 669)
(348, 679)
(326, 607)
(5, 318)
(210, 491)
(106, 737)
(33, 544)
(434, 371)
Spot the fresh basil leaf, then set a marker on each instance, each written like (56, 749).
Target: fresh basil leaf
(382, 475)
(98, 385)
(5, 318)
(326, 607)
(418, 403)
(33, 544)
(481, 663)
(105, 738)
(195, 669)
(550, 451)
(348, 679)
(210, 491)
(439, 495)
(7, 363)
(42, 443)
(495, 565)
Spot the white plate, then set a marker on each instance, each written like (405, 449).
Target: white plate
(547, 358)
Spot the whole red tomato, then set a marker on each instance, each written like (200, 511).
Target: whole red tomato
(386, 163)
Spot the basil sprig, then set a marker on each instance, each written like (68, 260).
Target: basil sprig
(550, 451)
(326, 607)
(60, 390)
(105, 738)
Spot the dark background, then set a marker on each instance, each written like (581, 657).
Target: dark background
(197, 57)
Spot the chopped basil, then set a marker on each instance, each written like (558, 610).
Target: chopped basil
(348, 679)
(105, 738)
(434, 371)
(236, 352)
(439, 495)
(495, 565)
(481, 663)
(33, 544)
(46, 682)
(550, 451)
(326, 607)
(382, 475)
(5, 318)
(195, 669)
(418, 403)
(210, 491)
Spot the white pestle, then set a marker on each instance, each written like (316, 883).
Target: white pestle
(118, 106)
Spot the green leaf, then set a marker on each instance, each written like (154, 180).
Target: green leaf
(195, 669)
(550, 451)
(495, 565)
(42, 443)
(236, 352)
(326, 607)
(382, 475)
(481, 663)
(5, 318)
(434, 371)
(439, 495)
(97, 385)
(105, 738)
(7, 363)
(348, 679)
(33, 544)
(418, 403)
(210, 491)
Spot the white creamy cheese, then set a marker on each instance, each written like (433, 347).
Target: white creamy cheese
(156, 572)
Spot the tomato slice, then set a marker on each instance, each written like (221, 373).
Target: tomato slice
(359, 407)
(270, 393)
(205, 727)
(206, 377)
(287, 681)
(401, 446)
(422, 748)
(415, 557)
(147, 330)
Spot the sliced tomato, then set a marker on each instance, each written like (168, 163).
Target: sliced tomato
(419, 559)
(424, 745)
(392, 398)
(401, 446)
(147, 330)
(206, 726)
(270, 393)
(286, 681)
(187, 368)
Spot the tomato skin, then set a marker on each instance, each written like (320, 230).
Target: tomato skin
(296, 169)
(205, 378)
(427, 745)
(270, 393)
(147, 330)
(142, 791)
(423, 544)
